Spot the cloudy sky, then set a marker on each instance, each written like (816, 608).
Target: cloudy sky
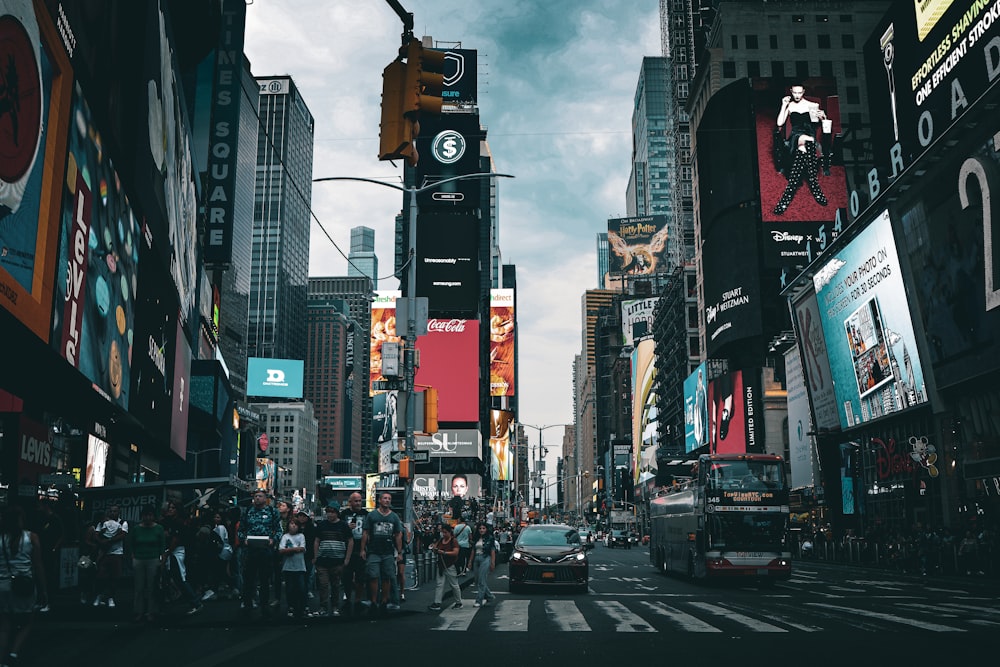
(557, 84)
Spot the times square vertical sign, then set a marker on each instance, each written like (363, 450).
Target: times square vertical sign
(224, 136)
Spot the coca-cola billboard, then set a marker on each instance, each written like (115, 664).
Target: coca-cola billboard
(449, 362)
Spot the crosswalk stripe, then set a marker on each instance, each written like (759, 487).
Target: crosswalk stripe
(752, 623)
(969, 607)
(934, 627)
(511, 616)
(456, 619)
(685, 621)
(566, 615)
(625, 620)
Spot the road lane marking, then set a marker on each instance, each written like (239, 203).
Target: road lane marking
(625, 620)
(686, 621)
(933, 627)
(730, 615)
(566, 615)
(511, 616)
(456, 619)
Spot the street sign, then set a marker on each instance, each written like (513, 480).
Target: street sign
(448, 196)
(387, 385)
(418, 457)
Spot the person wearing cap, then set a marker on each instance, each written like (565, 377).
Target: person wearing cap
(333, 546)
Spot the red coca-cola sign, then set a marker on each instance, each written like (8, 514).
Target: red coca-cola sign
(446, 326)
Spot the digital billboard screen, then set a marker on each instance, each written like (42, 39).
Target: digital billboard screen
(449, 146)
(97, 261)
(638, 245)
(733, 304)
(449, 362)
(637, 320)
(33, 149)
(501, 452)
(446, 486)
(696, 409)
(815, 363)
(926, 64)
(278, 378)
(452, 443)
(384, 416)
(502, 342)
(383, 329)
(448, 261)
(866, 323)
(732, 411)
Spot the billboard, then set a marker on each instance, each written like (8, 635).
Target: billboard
(926, 64)
(799, 161)
(866, 323)
(97, 462)
(643, 401)
(502, 342)
(449, 146)
(460, 89)
(444, 487)
(278, 378)
(949, 239)
(501, 451)
(384, 416)
(800, 444)
(449, 362)
(180, 400)
(33, 150)
(97, 264)
(733, 304)
(383, 328)
(696, 409)
(448, 261)
(265, 472)
(732, 410)
(814, 361)
(638, 246)
(452, 443)
(637, 320)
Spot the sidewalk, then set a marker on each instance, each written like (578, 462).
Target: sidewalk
(66, 609)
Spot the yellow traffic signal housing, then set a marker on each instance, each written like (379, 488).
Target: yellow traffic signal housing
(424, 80)
(406, 469)
(397, 134)
(430, 410)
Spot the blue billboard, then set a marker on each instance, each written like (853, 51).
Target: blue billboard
(696, 409)
(278, 378)
(866, 324)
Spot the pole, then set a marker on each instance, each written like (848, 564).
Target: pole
(409, 362)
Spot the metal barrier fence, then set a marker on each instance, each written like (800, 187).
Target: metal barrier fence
(904, 557)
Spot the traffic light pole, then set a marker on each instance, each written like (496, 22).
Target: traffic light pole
(409, 362)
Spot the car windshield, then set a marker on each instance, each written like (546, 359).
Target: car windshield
(548, 537)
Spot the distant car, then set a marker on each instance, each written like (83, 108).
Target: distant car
(586, 538)
(618, 538)
(549, 555)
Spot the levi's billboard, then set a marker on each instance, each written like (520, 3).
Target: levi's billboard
(449, 362)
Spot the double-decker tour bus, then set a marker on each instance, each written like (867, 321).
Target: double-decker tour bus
(729, 519)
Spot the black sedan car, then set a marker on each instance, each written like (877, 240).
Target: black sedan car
(549, 555)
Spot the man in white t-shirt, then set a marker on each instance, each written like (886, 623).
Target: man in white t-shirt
(111, 535)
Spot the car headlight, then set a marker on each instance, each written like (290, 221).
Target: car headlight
(581, 556)
(516, 555)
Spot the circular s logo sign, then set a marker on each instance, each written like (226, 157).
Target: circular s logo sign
(448, 147)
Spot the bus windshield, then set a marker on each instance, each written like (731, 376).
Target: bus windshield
(746, 531)
(746, 475)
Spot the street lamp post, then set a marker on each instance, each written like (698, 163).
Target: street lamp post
(411, 318)
(541, 486)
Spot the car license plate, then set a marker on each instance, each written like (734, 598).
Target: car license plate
(548, 575)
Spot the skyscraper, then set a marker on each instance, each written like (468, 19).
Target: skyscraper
(362, 260)
(280, 256)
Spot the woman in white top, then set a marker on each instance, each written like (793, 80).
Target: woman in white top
(19, 556)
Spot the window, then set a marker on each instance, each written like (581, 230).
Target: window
(751, 41)
(853, 95)
(773, 40)
(734, 41)
(826, 68)
(822, 18)
(846, 18)
(847, 41)
(799, 41)
(802, 69)
(798, 18)
(823, 41)
(850, 69)
(753, 68)
(728, 69)
(778, 69)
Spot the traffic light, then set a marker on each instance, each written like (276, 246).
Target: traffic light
(409, 89)
(406, 469)
(430, 410)
(424, 80)
(397, 136)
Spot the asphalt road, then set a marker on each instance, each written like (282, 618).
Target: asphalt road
(632, 614)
